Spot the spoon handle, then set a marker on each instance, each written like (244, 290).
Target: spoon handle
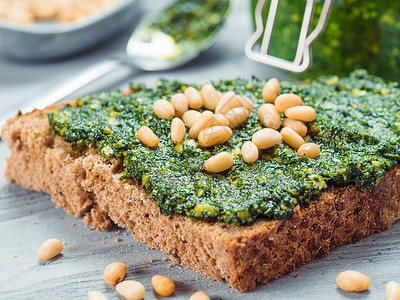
(63, 89)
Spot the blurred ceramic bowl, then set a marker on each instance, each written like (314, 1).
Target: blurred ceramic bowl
(47, 40)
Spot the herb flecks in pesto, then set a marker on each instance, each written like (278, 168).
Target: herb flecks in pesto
(357, 129)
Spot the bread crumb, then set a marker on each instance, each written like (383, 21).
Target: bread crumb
(193, 290)
(117, 240)
(117, 232)
(150, 260)
(296, 275)
(60, 218)
(143, 266)
(164, 258)
(267, 284)
(129, 246)
(72, 224)
(30, 197)
(171, 265)
(103, 242)
(15, 256)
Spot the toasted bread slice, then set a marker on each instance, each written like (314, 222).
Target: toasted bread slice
(89, 185)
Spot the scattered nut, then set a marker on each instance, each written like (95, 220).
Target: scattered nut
(50, 248)
(115, 272)
(163, 285)
(131, 289)
(353, 281)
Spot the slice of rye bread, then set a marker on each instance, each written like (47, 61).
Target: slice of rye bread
(88, 185)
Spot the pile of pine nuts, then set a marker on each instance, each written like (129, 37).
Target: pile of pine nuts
(114, 274)
(29, 11)
(224, 112)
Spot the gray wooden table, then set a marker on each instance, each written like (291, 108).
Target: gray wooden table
(28, 218)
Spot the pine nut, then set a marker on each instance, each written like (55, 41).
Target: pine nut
(131, 289)
(178, 130)
(269, 116)
(309, 150)
(50, 248)
(95, 295)
(224, 103)
(147, 137)
(199, 296)
(214, 135)
(301, 113)
(297, 126)
(115, 272)
(190, 117)
(218, 163)
(194, 97)
(271, 90)
(210, 96)
(245, 102)
(249, 152)
(353, 281)
(230, 100)
(284, 101)
(291, 137)
(220, 120)
(203, 122)
(266, 138)
(163, 109)
(392, 291)
(180, 103)
(236, 116)
(163, 285)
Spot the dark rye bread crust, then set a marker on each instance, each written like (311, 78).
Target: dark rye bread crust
(88, 185)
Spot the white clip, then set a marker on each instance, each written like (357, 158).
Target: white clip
(303, 54)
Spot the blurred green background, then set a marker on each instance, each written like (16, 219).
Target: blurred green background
(359, 34)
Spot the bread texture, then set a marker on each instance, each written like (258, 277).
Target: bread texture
(88, 185)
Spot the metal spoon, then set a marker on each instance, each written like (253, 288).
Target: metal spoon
(147, 49)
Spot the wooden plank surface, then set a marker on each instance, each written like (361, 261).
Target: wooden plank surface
(28, 218)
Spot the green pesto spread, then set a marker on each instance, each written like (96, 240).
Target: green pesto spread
(357, 128)
(191, 21)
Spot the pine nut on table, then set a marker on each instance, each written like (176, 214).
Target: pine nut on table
(131, 289)
(50, 248)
